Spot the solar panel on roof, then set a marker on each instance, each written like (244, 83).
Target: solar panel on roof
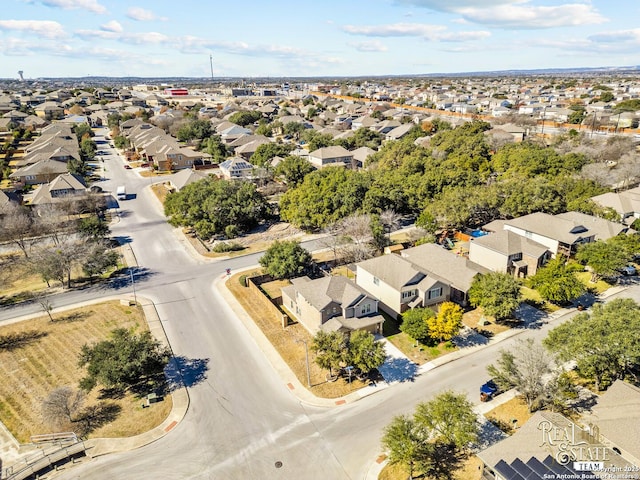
(508, 473)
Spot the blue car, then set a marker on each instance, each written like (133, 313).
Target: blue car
(488, 391)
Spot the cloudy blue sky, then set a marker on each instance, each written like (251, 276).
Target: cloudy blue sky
(150, 38)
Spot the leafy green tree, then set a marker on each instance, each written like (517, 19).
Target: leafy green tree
(330, 349)
(317, 140)
(408, 444)
(93, 228)
(295, 129)
(81, 130)
(604, 258)
(214, 147)
(414, 323)
(264, 153)
(365, 352)
(121, 142)
(245, 117)
(293, 169)
(450, 419)
(285, 259)
(603, 342)
(194, 129)
(98, 260)
(497, 293)
(125, 360)
(447, 323)
(210, 205)
(324, 197)
(556, 282)
(362, 137)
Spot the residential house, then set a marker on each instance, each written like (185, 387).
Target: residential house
(43, 171)
(331, 156)
(185, 177)
(561, 234)
(617, 417)
(626, 203)
(506, 251)
(455, 269)
(332, 303)
(230, 134)
(360, 156)
(61, 188)
(399, 284)
(49, 110)
(535, 450)
(236, 168)
(399, 132)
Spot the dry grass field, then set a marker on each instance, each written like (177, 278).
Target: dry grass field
(43, 356)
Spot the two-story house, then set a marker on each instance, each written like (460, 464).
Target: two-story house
(333, 303)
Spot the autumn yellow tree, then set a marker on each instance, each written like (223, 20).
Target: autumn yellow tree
(447, 323)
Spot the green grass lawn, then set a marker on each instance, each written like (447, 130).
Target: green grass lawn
(598, 287)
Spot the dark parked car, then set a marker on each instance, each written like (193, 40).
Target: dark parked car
(488, 391)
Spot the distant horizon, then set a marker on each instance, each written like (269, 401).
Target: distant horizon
(359, 38)
(534, 71)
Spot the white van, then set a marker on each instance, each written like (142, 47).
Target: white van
(121, 193)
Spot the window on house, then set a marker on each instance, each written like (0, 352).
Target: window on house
(376, 281)
(366, 309)
(435, 293)
(408, 294)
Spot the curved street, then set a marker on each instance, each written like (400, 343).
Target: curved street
(243, 422)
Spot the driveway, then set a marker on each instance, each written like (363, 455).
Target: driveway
(397, 367)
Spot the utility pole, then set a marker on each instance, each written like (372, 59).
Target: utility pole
(306, 356)
(133, 285)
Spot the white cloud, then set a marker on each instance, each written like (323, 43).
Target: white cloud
(368, 46)
(112, 26)
(143, 15)
(620, 36)
(90, 5)
(454, 5)
(142, 38)
(516, 14)
(434, 33)
(530, 17)
(41, 28)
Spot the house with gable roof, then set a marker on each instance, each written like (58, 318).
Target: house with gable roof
(331, 156)
(332, 303)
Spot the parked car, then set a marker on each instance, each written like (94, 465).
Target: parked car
(128, 167)
(628, 270)
(488, 390)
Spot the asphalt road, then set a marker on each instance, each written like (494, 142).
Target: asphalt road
(242, 419)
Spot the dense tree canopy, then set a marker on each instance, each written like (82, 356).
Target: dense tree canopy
(497, 293)
(414, 323)
(125, 360)
(604, 342)
(556, 282)
(604, 258)
(293, 169)
(210, 205)
(264, 153)
(285, 259)
(245, 117)
(324, 197)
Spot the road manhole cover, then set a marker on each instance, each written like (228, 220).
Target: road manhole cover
(278, 464)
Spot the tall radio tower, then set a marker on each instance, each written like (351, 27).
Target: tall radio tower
(211, 62)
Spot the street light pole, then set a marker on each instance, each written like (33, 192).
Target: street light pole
(306, 357)
(133, 285)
